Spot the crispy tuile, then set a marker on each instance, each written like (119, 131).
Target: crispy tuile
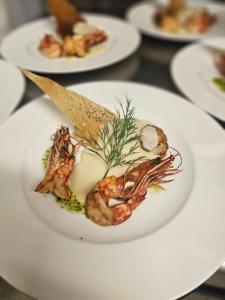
(66, 15)
(175, 6)
(86, 115)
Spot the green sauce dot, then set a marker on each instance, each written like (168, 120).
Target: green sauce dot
(72, 205)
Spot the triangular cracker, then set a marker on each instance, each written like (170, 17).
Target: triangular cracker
(66, 15)
(86, 115)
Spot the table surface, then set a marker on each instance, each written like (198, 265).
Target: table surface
(151, 65)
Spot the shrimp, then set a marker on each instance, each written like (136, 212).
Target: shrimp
(95, 38)
(130, 189)
(50, 47)
(79, 45)
(73, 45)
(61, 165)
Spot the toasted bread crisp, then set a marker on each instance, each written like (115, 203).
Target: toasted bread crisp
(66, 16)
(175, 6)
(86, 115)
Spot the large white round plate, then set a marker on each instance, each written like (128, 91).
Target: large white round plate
(193, 70)
(12, 86)
(123, 40)
(42, 252)
(142, 16)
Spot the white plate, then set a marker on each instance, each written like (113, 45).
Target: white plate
(174, 239)
(192, 70)
(12, 86)
(123, 40)
(142, 14)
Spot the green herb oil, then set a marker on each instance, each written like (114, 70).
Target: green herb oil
(45, 158)
(72, 205)
(220, 83)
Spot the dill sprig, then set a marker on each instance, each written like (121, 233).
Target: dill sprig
(111, 139)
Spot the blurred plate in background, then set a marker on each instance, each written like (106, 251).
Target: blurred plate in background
(12, 85)
(123, 40)
(193, 69)
(142, 16)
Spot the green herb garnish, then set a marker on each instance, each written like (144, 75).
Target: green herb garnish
(45, 158)
(72, 205)
(220, 83)
(113, 136)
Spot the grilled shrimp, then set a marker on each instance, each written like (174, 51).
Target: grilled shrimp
(73, 45)
(94, 39)
(60, 166)
(79, 45)
(50, 47)
(130, 189)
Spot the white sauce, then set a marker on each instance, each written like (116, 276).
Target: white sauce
(82, 28)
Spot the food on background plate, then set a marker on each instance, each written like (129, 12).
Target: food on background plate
(219, 60)
(75, 36)
(219, 83)
(66, 15)
(179, 17)
(122, 158)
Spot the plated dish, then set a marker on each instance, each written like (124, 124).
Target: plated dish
(161, 222)
(129, 156)
(178, 20)
(10, 97)
(198, 71)
(74, 36)
(122, 40)
(178, 17)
